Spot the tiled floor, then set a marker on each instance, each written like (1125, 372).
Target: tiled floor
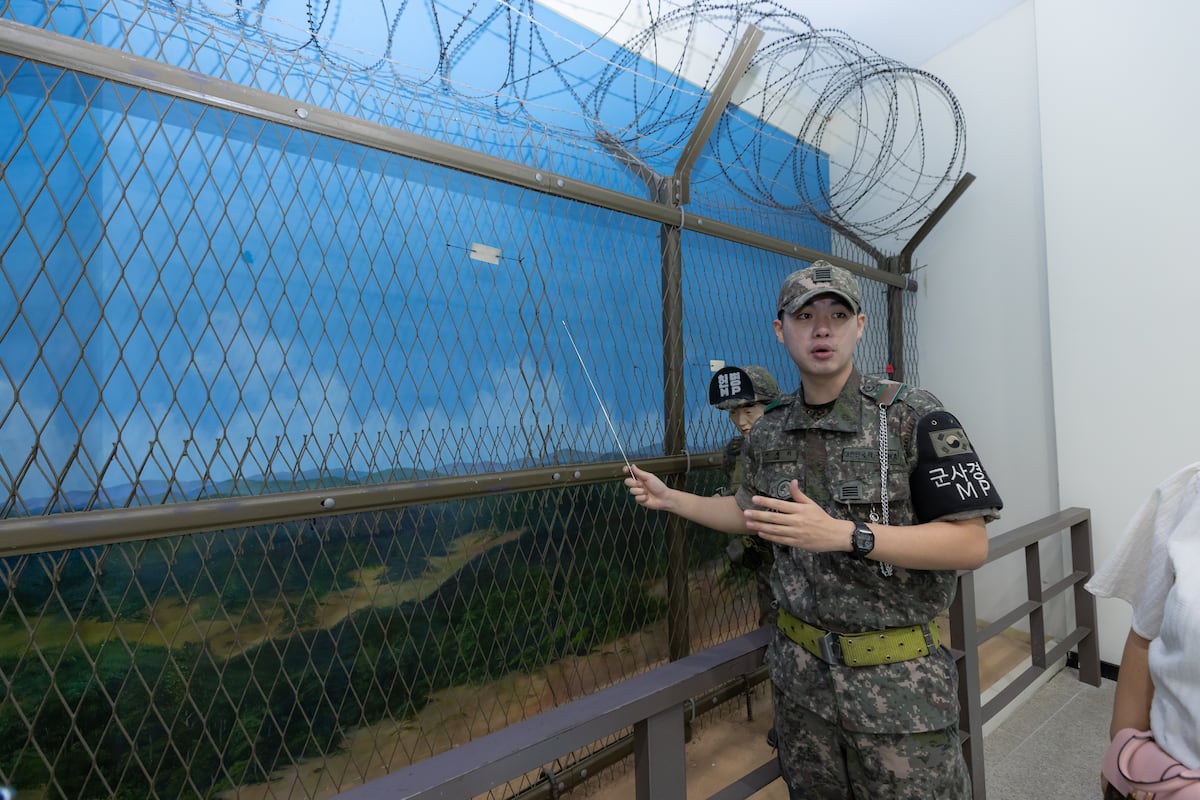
(1052, 745)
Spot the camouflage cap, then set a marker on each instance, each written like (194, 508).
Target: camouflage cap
(820, 278)
(733, 387)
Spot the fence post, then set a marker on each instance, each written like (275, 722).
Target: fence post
(660, 761)
(1085, 602)
(964, 640)
(674, 432)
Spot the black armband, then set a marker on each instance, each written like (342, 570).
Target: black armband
(949, 477)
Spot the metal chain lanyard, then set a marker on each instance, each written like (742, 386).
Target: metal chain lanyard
(885, 569)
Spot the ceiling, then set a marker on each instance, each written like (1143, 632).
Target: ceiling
(910, 31)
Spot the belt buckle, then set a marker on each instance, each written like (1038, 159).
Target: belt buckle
(831, 648)
(927, 632)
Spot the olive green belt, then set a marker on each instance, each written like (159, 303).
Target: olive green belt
(865, 649)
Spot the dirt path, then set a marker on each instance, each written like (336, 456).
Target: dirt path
(372, 589)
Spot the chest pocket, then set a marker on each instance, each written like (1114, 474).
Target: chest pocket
(854, 481)
(779, 467)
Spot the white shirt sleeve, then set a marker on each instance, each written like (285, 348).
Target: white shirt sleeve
(1161, 544)
(1139, 570)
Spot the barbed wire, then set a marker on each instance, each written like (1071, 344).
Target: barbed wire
(824, 124)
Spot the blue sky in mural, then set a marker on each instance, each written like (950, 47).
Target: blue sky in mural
(222, 279)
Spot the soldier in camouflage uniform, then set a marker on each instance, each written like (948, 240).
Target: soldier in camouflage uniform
(865, 695)
(744, 392)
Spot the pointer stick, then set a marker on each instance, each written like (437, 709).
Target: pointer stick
(588, 375)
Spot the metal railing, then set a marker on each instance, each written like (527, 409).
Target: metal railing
(652, 703)
(967, 639)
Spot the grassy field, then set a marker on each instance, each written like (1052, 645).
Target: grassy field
(170, 623)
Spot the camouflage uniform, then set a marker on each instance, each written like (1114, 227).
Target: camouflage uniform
(749, 552)
(887, 731)
(731, 388)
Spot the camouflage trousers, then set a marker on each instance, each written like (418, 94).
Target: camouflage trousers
(820, 761)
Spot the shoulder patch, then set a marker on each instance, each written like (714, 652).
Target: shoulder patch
(882, 390)
(949, 477)
(888, 391)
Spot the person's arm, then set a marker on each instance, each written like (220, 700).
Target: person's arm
(721, 513)
(1135, 689)
(941, 544)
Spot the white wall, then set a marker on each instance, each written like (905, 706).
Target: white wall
(1118, 91)
(983, 322)
(1100, 96)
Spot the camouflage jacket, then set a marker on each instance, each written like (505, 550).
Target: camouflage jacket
(836, 460)
(733, 465)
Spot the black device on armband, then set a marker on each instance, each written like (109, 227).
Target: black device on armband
(949, 477)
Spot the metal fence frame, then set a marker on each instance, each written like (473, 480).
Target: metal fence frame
(96, 528)
(18, 535)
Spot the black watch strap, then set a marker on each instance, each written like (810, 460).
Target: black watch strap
(862, 540)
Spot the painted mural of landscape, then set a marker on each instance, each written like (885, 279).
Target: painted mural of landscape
(192, 667)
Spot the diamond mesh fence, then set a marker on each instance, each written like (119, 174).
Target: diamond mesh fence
(300, 658)
(200, 305)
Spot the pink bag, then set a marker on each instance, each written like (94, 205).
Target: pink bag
(1135, 763)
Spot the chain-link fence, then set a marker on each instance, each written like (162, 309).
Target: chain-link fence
(241, 326)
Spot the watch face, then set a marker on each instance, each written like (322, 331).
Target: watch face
(863, 541)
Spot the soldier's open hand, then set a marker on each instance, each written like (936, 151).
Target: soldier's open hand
(798, 522)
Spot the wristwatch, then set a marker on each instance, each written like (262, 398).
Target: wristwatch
(862, 541)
